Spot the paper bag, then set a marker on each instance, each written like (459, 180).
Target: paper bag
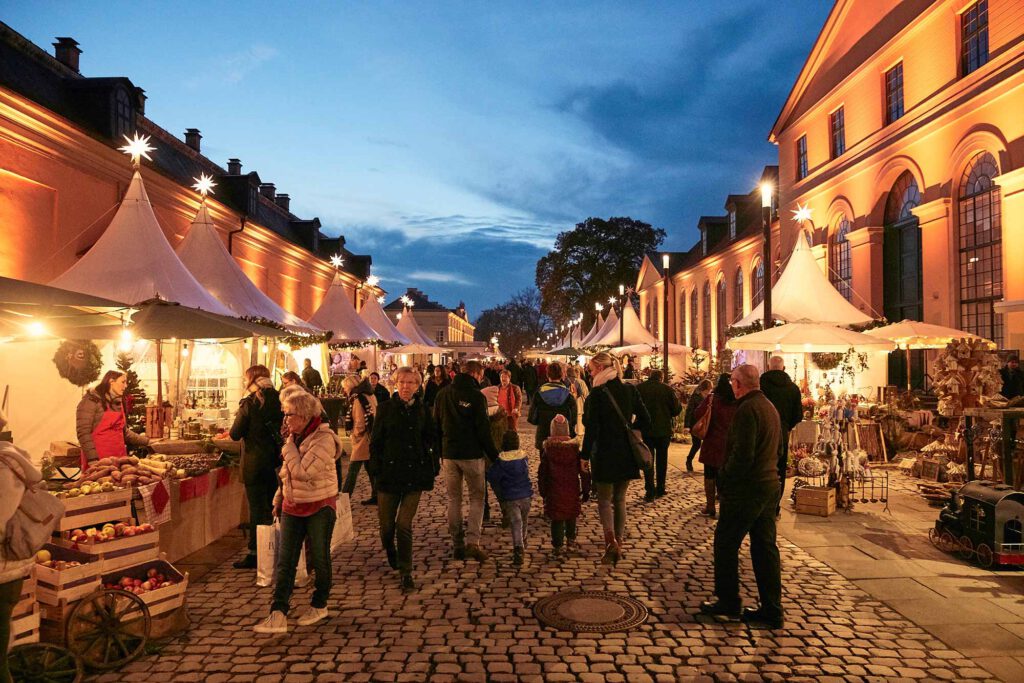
(268, 541)
(343, 530)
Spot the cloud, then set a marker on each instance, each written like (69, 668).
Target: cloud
(234, 67)
(438, 276)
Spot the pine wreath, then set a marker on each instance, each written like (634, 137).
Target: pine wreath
(78, 361)
(826, 361)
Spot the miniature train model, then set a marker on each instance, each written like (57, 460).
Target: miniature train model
(984, 521)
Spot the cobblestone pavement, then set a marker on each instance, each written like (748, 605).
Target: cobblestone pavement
(473, 622)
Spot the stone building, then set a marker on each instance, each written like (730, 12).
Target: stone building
(441, 324)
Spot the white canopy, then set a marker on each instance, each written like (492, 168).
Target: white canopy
(803, 292)
(808, 337)
(374, 316)
(205, 255)
(650, 349)
(610, 323)
(337, 314)
(416, 348)
(598, 322)
(408, 327)
(632, 332)
(132, 261)
(913, 334)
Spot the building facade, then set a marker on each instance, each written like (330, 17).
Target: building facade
(61, 178)
(442, 325)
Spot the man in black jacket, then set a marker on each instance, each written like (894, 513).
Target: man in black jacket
(461, 413)
(748, 484)
(785, 396)
(662, 405)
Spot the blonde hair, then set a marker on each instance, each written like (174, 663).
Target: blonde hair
(607, 360)
(349, 383)
(406, 370)
(302, 403)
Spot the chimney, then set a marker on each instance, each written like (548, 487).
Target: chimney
(234, 167)
(283, 201)
(192, 138)
(268, 190)
(67, 52)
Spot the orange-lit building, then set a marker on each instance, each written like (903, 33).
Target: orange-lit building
(61, 178)
(904, 135)
(441, 324)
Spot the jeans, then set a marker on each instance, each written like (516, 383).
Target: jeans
(9, 594)
(518, 512)
(741, 514)
(783, 467)
(563, 531)
(694, 447)
(318, 528)
(654, 476)
(472, 471)
(396, 511)
(611, 507)
(349, 486)
(260, 495)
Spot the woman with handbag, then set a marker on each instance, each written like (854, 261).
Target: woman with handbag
(712, 420)
(612, 410)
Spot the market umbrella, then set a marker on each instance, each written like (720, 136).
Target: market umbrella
(649, 349)
(412, 349)
(914, 334)
(60, 312)
(808, 337)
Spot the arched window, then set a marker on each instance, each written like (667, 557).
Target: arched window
(839, 270)
(693, 320)
(902, 284)
(903, 197)
(705, 323)
(757, 283)
(737, 295)
(721, 303)
(980, 236)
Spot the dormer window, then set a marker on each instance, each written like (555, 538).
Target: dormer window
(252, 200)
(122, 114)
(704, 242)
(732, 223)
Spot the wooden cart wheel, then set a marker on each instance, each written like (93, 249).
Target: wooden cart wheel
(44, 663)
(108, 628)
(985, 555)
(947, 542)
(966, 548)
(933, 536)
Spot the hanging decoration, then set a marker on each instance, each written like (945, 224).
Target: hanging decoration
(966, 375)
(295, 340)
(826, 361)
(78, 361)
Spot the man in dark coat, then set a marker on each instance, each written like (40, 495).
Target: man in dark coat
(662, 405)
(311, 376)
(748, 485)
(1013, 378)
(529, 371)
(785, 396)
(461, 414)
(379, 390)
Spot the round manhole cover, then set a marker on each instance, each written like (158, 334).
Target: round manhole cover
(590, 611)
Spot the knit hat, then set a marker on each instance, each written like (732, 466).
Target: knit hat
(510, 441)
(559, 426)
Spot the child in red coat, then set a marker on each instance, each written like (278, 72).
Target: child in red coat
(560, 482)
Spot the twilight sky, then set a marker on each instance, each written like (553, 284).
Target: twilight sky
(453, 141)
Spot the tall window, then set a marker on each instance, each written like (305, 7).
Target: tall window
(439, 336)
(837, 124)
(839, 271)
(652, 316)
(757, 283)
(801, 157)
(902, 283)
(123, 124)
(732, 223)
(974, 37)
(894, 93)
(721, 303)
(704, 242)
(705, 323)
(693, 319)
(737, 295)
(981, 249)
(681, 333)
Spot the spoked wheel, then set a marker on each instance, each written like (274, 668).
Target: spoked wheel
(44, 663)
(947, 542)
(966, 549)
(933, 536)
(108, 628)
(985, 555)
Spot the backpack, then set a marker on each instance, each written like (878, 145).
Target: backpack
(38, 514)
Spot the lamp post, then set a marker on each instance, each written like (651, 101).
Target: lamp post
(622, 314)
(766, 255)
(664, 321)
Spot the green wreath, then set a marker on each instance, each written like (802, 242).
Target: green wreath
(826, 361)
(78, 361)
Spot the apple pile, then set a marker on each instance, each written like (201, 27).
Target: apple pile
(153, 580)
(45, 559)
(109, 532)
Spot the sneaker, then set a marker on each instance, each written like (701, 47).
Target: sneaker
(247, 562)
(717, 608)
(459, 552)
(475, 552)
(277, 622)
(369, 501)
(392, 556)
(517, 556)
(408, 584)
(313, 615)
(761, 618)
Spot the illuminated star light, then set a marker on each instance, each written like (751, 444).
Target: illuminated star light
(406, 301)
(380, 299)
(612, 300)
(204, 185)
(802, 213)
(137, 147)
(372, 281)
(337, 261)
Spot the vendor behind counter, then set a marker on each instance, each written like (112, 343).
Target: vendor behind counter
(100, 420)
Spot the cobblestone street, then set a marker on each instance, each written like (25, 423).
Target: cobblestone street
(470, 621)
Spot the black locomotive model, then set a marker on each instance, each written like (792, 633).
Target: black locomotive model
(984, 520)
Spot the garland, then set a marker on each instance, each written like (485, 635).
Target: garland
(826, 361)
(349, 345)
(864, 327)
(293, 339)
(78, 361)
(755, 326)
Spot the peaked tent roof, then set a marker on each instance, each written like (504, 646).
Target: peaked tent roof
(803, 292)
(610, 323)
(337, 314)
(132, 261)
(373, 315)
(598, 322)
(205, 255)
(632, 332)
(407, 326)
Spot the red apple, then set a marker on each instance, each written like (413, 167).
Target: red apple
(151, 573)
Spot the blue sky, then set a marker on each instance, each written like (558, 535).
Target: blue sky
(453, 141)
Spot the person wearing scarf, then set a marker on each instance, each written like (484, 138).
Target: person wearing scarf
(306, 505)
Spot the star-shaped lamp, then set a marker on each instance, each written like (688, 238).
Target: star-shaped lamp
(204, 185)
(372, 281)
(598, 307)
(612, 300)
(337, 261)
(380, 299)
(802, 213)
(137, 147)
(406, 301)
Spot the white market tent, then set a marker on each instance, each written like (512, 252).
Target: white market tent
(610, 323)
(804, 292)
(132, 261)
(338, 315)
(373, 315)
(205, 255)
(598, 322)
(632, 332)
(408, 327)
(805, 336)
(913, 334)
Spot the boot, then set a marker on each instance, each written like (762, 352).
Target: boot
(709, 495)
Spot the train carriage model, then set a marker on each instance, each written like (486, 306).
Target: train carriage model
(984, 520)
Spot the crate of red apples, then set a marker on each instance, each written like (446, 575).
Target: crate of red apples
(65, 574)
(116, 544)
(157, 583)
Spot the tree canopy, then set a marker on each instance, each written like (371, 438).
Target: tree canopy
(589, 263)
(517, 322)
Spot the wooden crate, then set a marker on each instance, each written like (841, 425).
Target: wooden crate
(27, 600)
(120, 552)
(97, 508)
(55, 585)
(25, 629)
(160, 600)
(815, 500)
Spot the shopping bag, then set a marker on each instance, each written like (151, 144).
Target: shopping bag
(268, 541)
(343, 529)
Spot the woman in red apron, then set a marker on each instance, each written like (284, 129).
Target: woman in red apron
(100, 421)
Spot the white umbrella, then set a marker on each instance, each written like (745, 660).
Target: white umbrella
(418, 348)
(650, 349)
(808, 337)
(914, 334)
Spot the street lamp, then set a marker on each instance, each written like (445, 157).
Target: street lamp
(766, 255)
(664, 324)
(622, 313)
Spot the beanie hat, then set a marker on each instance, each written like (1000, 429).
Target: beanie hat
(559, 426)
(510, 441)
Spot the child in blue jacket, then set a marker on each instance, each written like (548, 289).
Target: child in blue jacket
(509, 476)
